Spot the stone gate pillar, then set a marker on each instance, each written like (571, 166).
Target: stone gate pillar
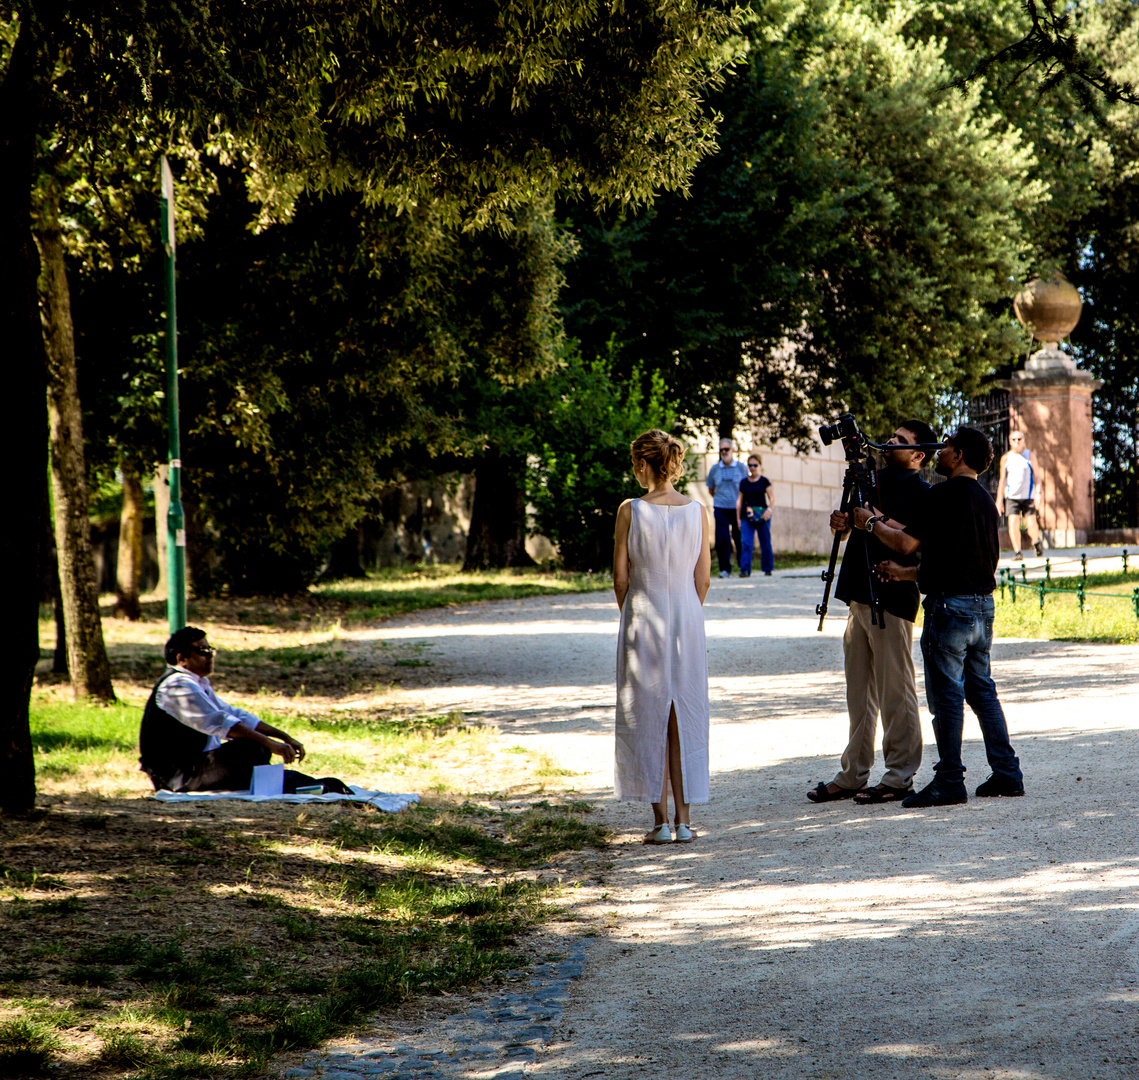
(1051, 403)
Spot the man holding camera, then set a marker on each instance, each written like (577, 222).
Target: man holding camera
(955, 529)
(879, 659)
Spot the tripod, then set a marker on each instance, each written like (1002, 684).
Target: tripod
(852, 496)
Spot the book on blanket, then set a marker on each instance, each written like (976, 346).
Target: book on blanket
(268, 780)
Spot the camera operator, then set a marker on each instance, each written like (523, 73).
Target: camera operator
(955, 530)
(879, 662)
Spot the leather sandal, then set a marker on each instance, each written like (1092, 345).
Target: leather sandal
(823, 794)
(880, 793)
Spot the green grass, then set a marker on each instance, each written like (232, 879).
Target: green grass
(1105, 619)
(223, 1011)
(400, 590)
(26, 1047)
(254, 936)
(790, 560)
(71, 738)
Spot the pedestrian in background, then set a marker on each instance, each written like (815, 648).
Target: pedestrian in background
(1016, 490)
(724, 483)
(753, 511)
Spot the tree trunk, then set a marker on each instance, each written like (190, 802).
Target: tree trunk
(498, 518)
(161, 509)
(344, 559)
(86, 653)
(24, 433)
(128, 571)
(49, 590)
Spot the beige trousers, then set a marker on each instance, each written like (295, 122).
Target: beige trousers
(880, 675)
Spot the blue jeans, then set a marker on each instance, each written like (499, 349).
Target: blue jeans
(955, 644)
(749, 530)
(727, 532)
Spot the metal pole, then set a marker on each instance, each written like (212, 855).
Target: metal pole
(175, 519)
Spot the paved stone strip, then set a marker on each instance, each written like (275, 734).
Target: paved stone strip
(497, 1040)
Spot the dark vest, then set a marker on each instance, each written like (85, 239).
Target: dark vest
(166, 746)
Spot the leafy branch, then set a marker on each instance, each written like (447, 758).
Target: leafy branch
(1053, 43)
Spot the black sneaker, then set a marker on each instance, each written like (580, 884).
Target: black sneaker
(933, 795)
(999, 786)
(1038, 547)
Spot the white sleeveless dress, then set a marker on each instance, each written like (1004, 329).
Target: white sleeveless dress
(662, 658)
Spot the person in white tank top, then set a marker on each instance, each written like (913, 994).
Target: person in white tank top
(1016, 489)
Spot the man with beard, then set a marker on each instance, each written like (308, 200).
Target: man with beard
(191, 740)
(955, 529)
(878, 660)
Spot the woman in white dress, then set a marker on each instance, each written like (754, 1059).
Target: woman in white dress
(661, 573)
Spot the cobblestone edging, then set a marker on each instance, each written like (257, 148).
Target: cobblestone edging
(500, 1038)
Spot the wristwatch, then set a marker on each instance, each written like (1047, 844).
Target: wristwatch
(871, 522)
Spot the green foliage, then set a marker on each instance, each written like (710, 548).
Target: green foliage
(854, 244)
(580, 471)
(319, 350)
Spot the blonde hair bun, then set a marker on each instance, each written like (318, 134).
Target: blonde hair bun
(664, 453)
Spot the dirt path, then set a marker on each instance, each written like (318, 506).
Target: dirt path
(998, 939)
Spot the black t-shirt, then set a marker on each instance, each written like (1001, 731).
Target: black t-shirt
(755, 492)
(957, 526)
(900, 493)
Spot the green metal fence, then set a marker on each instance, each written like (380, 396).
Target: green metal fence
(1040, 587)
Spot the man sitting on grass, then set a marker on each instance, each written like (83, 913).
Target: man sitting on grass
(191, 740)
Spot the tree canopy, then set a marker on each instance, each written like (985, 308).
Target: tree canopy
(854, 243)
(470, 108)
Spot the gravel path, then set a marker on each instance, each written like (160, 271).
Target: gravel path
(999, 939)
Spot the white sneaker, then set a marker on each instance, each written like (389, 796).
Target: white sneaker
(684, 834)
(662, 834)
(725, 573)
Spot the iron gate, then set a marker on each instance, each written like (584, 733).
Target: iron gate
(988, 413)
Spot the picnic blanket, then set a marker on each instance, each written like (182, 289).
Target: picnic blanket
(381, 800)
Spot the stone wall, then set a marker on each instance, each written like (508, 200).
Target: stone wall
(428, 520)
(806, 488)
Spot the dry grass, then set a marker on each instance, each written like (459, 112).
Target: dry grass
(176, 941)
(195, 941)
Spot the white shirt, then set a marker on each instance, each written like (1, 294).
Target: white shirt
(1019, 478)
(190, 699)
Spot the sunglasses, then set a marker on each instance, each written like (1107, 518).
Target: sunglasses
(753, 464)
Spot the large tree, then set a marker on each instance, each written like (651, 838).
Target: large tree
(851, 246)
(471, 107)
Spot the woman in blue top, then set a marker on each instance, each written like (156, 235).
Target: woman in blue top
(753, 508)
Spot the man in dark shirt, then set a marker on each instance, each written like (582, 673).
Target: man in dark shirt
(956, 532)
(879, 660)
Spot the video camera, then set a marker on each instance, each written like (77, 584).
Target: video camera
(845, 427)
(856, 444)
(858, 489)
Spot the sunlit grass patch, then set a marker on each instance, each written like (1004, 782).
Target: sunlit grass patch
(398, 591)
(85, 747)
(1107, 619)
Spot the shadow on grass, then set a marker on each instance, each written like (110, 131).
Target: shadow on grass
(206, 942)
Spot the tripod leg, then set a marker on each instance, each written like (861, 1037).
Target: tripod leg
(849, 498)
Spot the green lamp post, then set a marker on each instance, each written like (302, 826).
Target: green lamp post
(175, 519)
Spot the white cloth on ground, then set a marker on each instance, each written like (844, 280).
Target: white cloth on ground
(190, 698)
(662, 656)
(382, 800)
